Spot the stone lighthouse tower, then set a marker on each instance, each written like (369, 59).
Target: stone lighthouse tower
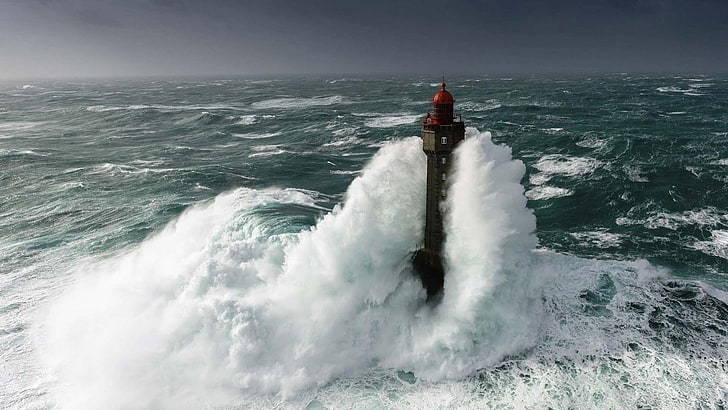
(440, 135)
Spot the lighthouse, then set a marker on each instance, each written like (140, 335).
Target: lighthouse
(441, 133)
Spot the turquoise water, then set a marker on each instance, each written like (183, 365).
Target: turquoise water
(147, 229)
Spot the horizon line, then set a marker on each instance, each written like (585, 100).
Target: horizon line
(234, 76)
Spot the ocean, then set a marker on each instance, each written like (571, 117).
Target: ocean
(246, 243)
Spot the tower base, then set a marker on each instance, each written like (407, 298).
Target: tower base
(428, 265)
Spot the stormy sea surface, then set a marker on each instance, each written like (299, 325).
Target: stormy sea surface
(246, 244)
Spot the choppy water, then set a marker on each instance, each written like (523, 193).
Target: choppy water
(244, 243)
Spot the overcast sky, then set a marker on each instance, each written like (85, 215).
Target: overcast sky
(108, 38)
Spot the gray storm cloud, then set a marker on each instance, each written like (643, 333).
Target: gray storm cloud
(83, 38)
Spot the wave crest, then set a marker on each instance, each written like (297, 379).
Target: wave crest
(229, 301)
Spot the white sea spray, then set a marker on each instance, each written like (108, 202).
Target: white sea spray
(215, 304)
(226, 307)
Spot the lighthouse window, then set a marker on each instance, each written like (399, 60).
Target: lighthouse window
(444, 160)
(443, 140)
(444, 176)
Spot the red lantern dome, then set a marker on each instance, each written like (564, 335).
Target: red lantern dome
(443, 96)
(442, 103)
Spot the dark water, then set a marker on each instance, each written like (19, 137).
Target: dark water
(618, 168)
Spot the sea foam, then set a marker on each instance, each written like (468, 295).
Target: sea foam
(230, 306)
(224, 303)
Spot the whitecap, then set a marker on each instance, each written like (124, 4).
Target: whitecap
(72, 170)
(246, 120)
(13, 152)
(115, 169)
(161, 107)
(19, 125)
(71, 185)
(379, 144)
(673, 89)
(567, 165)
(212, 107)
(476, 107)
(685, 91)
(547, 192)
(553, 130)
(391, 121)
(716, 246)
(539, 178)
(298, 103)
(102, 108)
(201, 187)
(346, 141)
(697, 217)
(634, 173)
(599, 238)
(267, 151)
(255, 136)
(345, 131)
(148, 162)
(379, 114)
(591, 142)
